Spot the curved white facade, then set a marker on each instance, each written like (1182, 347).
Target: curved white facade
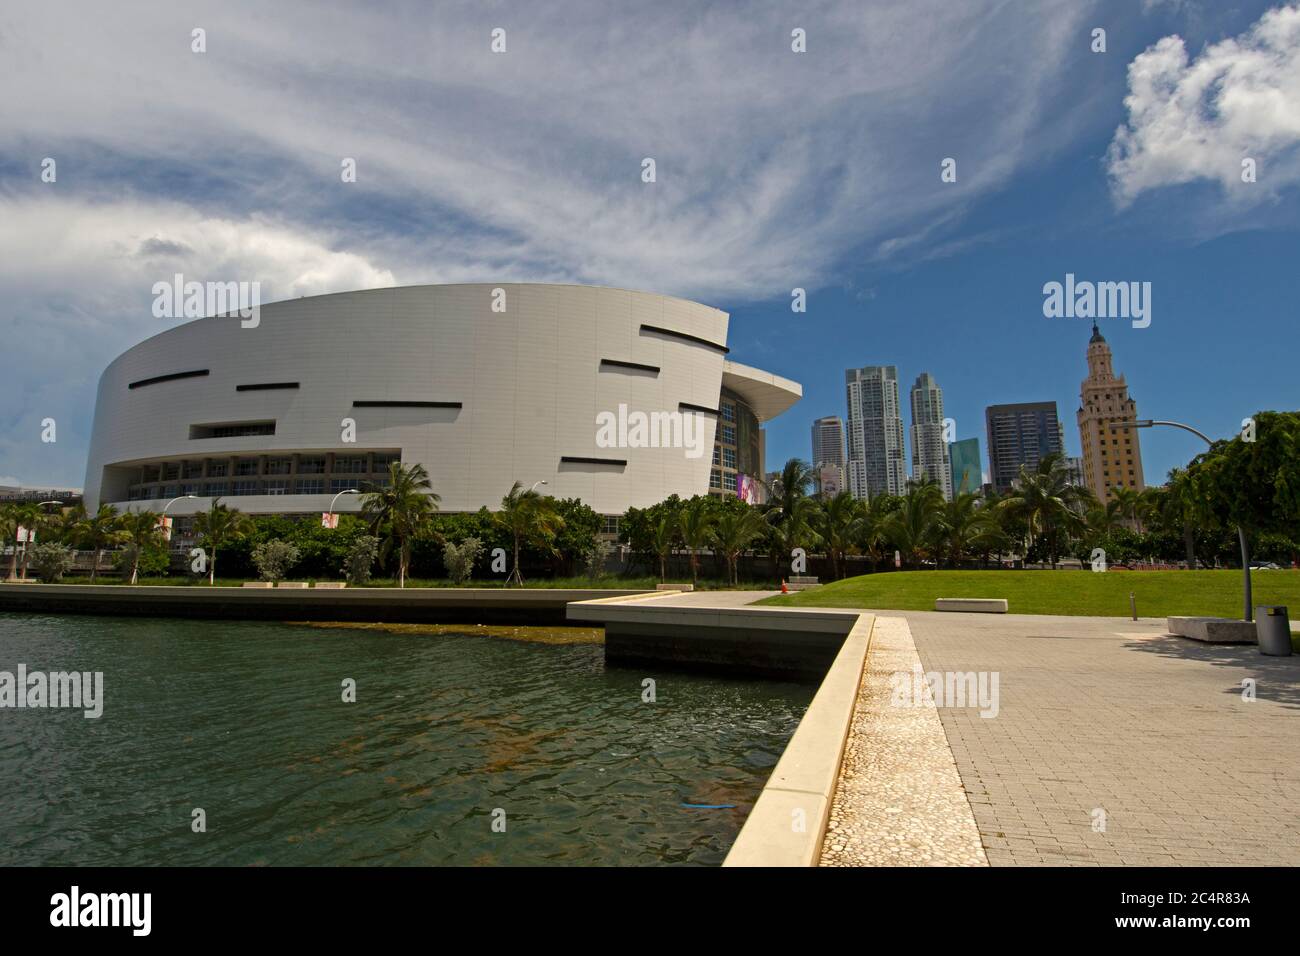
(481, 398)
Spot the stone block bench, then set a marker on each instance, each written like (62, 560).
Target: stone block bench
(258, 584)
(802, 583)
(979, 605)
(1214, 630)
(293, 584)
(330, 585)
(674, 587)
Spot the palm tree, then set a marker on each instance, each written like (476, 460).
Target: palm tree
(64, 526)
(664, 537)
(913, 527)
(1047, 503)
(217, 527)
(964, 527)
(403, 504)
(696, 525)
(9, 522)
(139, 529)
(791, 510)
(99, 532)
(873, 527)
(733, 533)
(1131, 505)
(1176, 508)
(838, 523)
(527, 516)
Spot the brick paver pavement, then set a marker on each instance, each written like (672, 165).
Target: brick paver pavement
(1104, 715)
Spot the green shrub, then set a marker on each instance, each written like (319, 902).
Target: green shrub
(50, 561)
(273, 559)
(360, 559)
(459, 559)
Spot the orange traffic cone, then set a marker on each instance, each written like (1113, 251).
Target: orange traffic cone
(784, 589)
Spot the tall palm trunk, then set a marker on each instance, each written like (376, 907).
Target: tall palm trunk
(515, 576)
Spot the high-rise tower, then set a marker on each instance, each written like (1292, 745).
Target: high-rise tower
(1112, 457)
(876, 461)
(929, 451)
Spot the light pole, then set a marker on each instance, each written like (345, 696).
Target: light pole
(1248, 614)
(162, 518)
(334, 500)
(172, 502)
(535, 484)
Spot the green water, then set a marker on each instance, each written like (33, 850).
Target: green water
(246, 721)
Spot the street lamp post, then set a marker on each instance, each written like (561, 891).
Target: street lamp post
(334, 500)
(536, 483)
(1248, 614)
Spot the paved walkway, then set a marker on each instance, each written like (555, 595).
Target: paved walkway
(1114, 744)
(899, 800)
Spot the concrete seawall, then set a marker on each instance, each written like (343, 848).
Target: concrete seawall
(396, 605)
(717, 631)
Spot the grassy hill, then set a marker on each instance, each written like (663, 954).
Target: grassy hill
(1159, 593)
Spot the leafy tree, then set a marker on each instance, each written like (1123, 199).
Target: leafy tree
(1254, 485)
(216, 528)
(401, 507)
(577, 539)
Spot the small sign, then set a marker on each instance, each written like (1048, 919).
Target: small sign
(27, 535)
(328, 520)
(165, 523)
(898, 560)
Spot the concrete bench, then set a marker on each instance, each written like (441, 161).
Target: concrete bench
(978, 605)
(674, 587)
(293, 584)
(258, 584)
(1214, 630)
(331, 585)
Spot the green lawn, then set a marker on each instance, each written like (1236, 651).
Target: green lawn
(1159, 593)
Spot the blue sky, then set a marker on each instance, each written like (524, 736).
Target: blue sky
(776, 170)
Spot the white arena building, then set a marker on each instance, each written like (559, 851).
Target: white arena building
(484, 385)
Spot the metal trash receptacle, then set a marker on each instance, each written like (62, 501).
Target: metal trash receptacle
(1273, 630)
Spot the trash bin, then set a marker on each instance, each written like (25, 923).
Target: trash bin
(1273, 630)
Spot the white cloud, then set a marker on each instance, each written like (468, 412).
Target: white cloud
(1197, 118)
(773, 167)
